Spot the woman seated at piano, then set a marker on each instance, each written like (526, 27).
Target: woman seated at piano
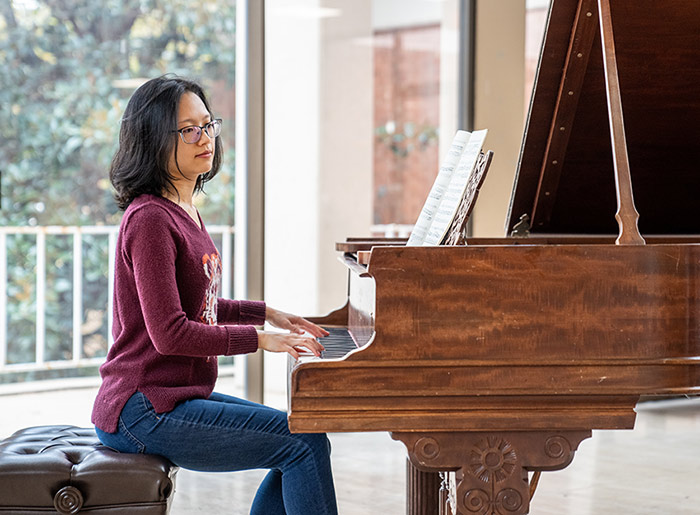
(169, 326)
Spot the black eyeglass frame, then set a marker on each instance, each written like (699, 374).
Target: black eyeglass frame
(202, 128)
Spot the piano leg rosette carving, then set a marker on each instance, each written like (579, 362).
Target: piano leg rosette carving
(491, 469)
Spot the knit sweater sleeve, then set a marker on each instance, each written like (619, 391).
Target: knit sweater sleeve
(241, 312)
(149, 245)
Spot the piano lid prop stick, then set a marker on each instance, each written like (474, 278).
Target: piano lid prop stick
(627, 216)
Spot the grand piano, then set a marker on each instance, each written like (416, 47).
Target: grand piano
(493, 360)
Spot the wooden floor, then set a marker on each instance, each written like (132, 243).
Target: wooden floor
(652, 470)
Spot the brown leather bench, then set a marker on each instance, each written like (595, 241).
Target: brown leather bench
(65, 469)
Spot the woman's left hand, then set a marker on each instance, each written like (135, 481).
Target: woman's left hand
(293, 323)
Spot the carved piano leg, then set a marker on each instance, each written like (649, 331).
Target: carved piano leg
(491, 468)
(422, 491)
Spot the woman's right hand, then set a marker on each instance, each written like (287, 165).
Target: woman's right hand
(290, 343)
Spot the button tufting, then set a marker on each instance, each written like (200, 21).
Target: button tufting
(67, 470)
(68, 500)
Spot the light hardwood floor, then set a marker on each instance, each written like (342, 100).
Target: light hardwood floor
(652, 470)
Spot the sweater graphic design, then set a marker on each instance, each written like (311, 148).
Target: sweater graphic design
(212, 269)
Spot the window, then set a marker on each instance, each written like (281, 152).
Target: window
(360, 96)
(414, 47)
(70, 69)
(535, 21)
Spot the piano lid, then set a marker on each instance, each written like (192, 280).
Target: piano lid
(565, 180)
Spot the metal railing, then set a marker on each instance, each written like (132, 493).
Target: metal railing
(78, 359)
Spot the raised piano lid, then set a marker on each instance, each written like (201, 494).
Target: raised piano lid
(565, 177)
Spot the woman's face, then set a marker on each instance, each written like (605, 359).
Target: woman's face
(193, 159)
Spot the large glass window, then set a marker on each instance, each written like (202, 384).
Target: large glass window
(535, 21)
(414, 43)
(360, 97)
(70, 68)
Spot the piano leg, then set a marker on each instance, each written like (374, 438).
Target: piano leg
(422, 491)
(491, 469)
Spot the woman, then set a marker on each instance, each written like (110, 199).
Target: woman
(157, 382)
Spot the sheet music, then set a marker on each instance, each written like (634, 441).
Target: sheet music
(442, 182)
(449, 203)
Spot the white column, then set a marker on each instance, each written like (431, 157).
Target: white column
(499, 105)
(318, 177)
(40, 297)
(250, 184)
(77, 294)
(345, 140)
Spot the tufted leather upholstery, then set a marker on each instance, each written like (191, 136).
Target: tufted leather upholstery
(65, 469)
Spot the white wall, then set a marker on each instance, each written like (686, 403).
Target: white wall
(318, 147)
(499, 105)
(292, 127)
(318, 152)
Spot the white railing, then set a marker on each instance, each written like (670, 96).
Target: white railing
(110, 232)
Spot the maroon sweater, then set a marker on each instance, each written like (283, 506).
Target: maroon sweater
(168, 319)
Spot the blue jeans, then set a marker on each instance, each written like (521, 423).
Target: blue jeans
(224, 433)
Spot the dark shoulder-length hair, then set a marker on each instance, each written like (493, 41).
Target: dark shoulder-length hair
(147, 140)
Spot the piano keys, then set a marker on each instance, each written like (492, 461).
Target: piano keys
(338, 343)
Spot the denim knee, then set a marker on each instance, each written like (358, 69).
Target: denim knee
(318, 442)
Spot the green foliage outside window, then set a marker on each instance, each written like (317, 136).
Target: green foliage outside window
(69, 69)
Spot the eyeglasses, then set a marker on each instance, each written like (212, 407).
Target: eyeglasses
(193, 133)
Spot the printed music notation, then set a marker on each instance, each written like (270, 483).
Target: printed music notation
(449, 188)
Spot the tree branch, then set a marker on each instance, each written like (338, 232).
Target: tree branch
(8, 13)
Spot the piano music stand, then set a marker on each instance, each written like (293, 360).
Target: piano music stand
(457, 232)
